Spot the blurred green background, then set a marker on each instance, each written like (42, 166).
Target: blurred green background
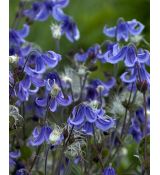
(90, 16)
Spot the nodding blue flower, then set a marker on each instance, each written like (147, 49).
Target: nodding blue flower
(124, 29)
(40, 135)
(113, 55)
(137, 125)
(98, 88)
(109, 171)
(38, 62)
(85, 117)
(56, 96)
(91, 53)
(133, 56)
(68, 26)
(13, 155)
(40, 11)
(25, 87)
(127, 53)
(136, 74)
(16, 41)
(16, 37)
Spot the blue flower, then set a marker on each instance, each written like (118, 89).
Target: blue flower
(25, 87)
(91, 53)
(40, 11)
(13, 155)
(68, 26)
(137, 124)
(113, 55)
(16, 40)
(38, 62)
(40, 135)
(98, 88)
(55, 94)
(109, 171)
(16, 37)
(85, 117)
(136, 74)
(124, 29)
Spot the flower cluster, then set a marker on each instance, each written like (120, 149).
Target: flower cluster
(67, 110)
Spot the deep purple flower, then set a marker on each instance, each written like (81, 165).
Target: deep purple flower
(86, 117)
(40, 135)
(124, 29)
(13, 155)
(137, 125)
(109, 171)
(91, 52)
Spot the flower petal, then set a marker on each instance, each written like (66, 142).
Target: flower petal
(105, 124)
(111, 32)
(53, 105)
(135, 27)
(130, 56)
(90, 115)
(62, 100)
(88, 128)
(42, 102)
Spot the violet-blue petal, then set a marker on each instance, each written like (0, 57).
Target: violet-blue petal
(26, 82)
(36, 141)
(81, 57)
(24, 32)
(58, 14)
(51, 58)
(109, 171)
(120, 56)
(42, 102)
(53, 105)
(143, 56)
(128, 77)
(130, 58)
(48, 130)
(62, 100)
(135, 27)
(104, 124)
(15, 154)
(22, 93)
(38, 82)
(122, 31)
(91, 116)
(111, 32)
(61, 3)
(43, 14)
(88, 128)
(77, 116)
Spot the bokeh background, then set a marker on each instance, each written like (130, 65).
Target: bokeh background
(90, 16)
